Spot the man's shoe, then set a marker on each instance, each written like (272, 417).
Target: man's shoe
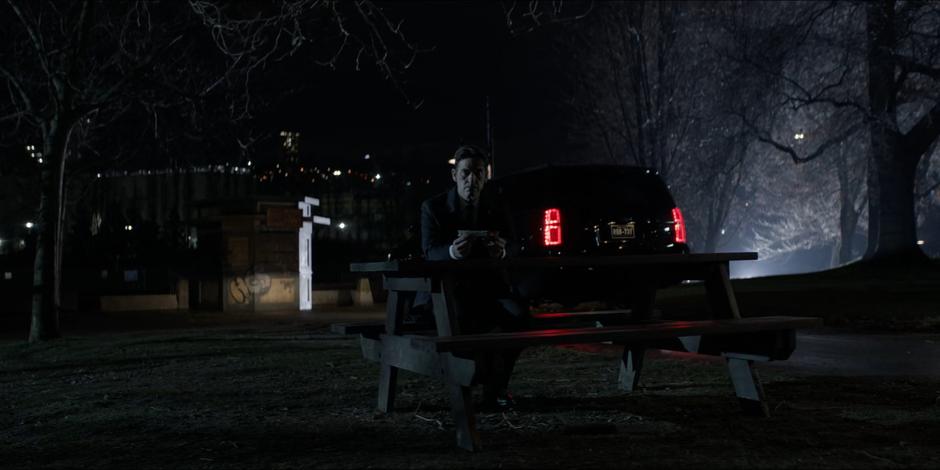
(504, 401)
(498, 401)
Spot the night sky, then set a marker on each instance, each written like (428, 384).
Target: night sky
(474, 56)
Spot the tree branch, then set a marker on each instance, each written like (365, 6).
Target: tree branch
(912, 65)
(33, 36)
(767, 139)
(923, 134)
(19, 89)
(132, 74)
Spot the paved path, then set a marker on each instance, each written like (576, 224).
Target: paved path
(854, 354)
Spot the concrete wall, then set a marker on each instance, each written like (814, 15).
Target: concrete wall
(121, 303)
(254, 292)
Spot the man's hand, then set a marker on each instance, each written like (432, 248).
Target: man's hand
(460, 248)
(496, 246)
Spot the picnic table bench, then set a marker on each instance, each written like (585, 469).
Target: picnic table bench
(441, 351)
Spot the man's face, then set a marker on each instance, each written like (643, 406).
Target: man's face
(470, 176)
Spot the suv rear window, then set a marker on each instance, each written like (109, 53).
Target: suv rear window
(586, 187)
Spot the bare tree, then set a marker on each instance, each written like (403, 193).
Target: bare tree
(526, 16)
(80, 70)
(649, 86)
(890, 88)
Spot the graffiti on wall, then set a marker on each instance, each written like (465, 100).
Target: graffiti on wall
(244, 289)
(257, 289)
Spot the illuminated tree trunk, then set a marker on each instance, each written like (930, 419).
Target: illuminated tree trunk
(896, 234)
(894, 157)
(849, 211)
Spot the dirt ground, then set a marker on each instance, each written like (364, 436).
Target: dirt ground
(285, 393)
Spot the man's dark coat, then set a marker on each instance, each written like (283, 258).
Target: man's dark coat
(441, 219)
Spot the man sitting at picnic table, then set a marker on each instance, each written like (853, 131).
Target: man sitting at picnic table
(469, 222)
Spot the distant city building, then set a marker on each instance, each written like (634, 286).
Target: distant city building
(290, 145)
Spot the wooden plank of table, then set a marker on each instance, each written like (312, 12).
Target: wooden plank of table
(619, 333)
(398, 351)
(422, 267)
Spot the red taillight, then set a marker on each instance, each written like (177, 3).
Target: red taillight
(551, 227)
(679, 228)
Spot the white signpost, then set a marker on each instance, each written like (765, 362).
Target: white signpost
(305, 250)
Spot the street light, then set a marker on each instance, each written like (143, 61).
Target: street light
(29, 225)
(342, 225)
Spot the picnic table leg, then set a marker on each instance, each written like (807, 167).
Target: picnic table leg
(747, 386)
(388, 378)
(396, 307)
(461, 407)
(461, 397)
(720, 293)
(630, 366)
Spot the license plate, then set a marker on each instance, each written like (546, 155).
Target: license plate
(623, 231)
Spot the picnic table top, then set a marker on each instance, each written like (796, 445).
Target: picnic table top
(423, 267)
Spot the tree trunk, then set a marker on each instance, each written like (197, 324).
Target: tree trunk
(848, 213)
(46, 266)
(45, 318)
(897, 235)
(892, 223)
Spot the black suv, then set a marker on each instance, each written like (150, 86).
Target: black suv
(589, 210)
(592, 210)
(584, 210)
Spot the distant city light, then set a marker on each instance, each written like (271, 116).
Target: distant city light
(40, 159)
(342, 225)
(799, 136)
(378, 176)
(98, 175)
(921, 242)
(337, 172)
(722, 231)
(452, 161)
(249, 162)
(128, 227)
(29, 225)
(367, 157)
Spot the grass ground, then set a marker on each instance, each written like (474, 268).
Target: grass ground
(290, 395)
(210, 391)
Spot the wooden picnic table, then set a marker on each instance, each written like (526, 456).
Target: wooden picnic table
(719, 330)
